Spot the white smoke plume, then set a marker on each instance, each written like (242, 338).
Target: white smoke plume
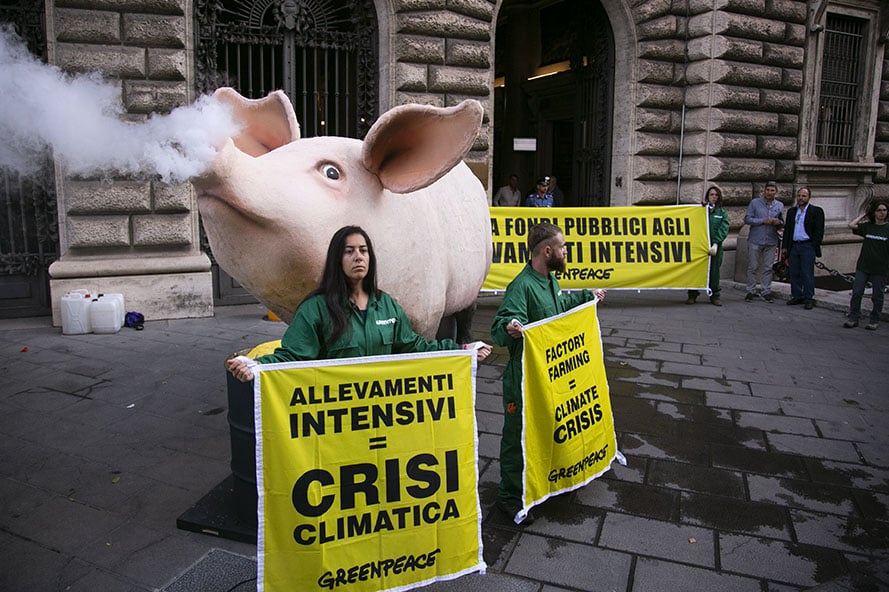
(78, 117)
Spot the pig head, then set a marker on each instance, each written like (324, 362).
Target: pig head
(272, 201)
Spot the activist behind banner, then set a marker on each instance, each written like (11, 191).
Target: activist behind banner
(568, 432)
(348, 316)
(532, 296)
(639, 247)
(367, 473)
(719, 226)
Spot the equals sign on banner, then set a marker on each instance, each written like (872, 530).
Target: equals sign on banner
(572, 383)
(377, 442)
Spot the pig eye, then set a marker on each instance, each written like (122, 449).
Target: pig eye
(330, 171)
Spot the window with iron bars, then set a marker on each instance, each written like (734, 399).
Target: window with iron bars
(840, 87)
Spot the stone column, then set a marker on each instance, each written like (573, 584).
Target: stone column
(139, 238)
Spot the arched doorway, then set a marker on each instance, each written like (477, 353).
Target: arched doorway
(554, 81)
(321, 53)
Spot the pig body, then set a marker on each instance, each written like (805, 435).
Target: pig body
(272, 202)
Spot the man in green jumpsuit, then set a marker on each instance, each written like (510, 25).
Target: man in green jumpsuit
(533, 295)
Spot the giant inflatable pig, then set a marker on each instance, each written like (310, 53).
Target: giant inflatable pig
(272, 201)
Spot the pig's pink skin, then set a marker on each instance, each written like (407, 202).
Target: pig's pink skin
(269, 211)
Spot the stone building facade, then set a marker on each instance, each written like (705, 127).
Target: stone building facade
(703, 91)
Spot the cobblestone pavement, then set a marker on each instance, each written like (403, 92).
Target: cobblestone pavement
(755, 434)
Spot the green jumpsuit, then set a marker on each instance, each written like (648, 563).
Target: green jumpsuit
(719, 226)
(529, 297)
(385, 329)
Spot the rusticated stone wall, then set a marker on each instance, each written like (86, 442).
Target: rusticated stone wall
(881, 146)
(137, 237)
(442, 55)
(738, 67)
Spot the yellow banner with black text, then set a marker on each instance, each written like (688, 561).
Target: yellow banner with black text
(625, 247)
(366, 472)
(568, 435)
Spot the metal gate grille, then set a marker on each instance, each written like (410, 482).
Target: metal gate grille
(29, 238)
(321, 53)
(840, 87)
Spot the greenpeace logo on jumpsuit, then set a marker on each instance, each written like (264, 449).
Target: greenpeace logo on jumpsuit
(386, 321)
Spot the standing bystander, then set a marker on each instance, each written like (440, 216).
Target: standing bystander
(765, 215)
(509, 195)
(873, 263)
(553, 188)
(540, 197)
(802, 243)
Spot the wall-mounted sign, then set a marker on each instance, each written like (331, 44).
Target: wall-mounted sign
(524, 144)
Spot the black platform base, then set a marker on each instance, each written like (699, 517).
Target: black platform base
(215, 514)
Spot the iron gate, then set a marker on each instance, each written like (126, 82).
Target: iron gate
(29, 238)
(321, 53)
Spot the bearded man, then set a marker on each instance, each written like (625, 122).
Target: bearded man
(533, 295)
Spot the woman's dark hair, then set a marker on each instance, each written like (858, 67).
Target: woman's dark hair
(334, 284)
(872, 208)
(718, 194)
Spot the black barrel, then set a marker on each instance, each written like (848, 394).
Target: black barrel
(242, 432)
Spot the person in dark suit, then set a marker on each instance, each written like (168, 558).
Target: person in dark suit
(803, 233)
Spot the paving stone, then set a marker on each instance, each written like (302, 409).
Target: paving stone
(575, 566)
(655, 538)
(671, 356)
(776, 423)
(718, 434)
(742, 402)
(671, 394)
(856, 431)
(630, 498)
(558, 517)
(636, 445)
(490, 582)
(692, 370)
(643, 378)
(831, 411)
(789, 563)
(654, 575)
(696, 478)
(633, 472)
(617, 363)
(498, 544)
(819, 447)
(696, 414)
(801, 494)
(718, 385)
(875, 454)
(842, 533)
(848, 474)
(758, 461)
(724, 513)
(639, 415)
(873, 505)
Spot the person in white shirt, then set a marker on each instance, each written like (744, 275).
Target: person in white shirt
(509, 195)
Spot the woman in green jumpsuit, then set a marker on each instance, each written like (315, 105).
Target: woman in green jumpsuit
(719, 225)
(348, 316)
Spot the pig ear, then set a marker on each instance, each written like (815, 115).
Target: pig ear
(269, 123)
(412, 146)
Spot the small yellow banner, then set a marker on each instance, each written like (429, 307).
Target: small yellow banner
(366, 472)
(568, 433)
(627, 247)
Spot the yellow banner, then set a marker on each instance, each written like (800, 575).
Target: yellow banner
(628, 247)
(568, 433)
(366, 472)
